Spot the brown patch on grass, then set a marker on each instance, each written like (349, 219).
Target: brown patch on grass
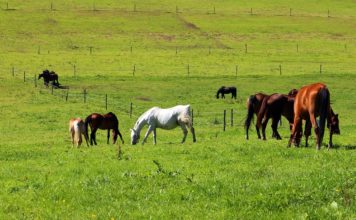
(143, 98)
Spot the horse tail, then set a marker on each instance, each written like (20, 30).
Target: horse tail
(250, 104)
(86, 123)
(186, 118)
(324, 109)
(261, 112)
(77, 133)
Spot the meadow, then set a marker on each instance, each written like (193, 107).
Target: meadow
(163, 53)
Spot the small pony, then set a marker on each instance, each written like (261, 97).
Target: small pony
(225, 90)
(312, 101)
(48, 77)
(163, 118)
(77, 129)
(105, 122)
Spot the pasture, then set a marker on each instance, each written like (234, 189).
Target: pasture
(157, 53)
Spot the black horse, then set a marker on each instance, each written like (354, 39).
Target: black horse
(49, 77)
(225, 90)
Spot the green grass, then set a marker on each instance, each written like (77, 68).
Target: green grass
(220, 176)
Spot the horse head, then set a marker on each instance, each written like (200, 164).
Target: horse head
(40, 76)
(334, 124)
(135, 137)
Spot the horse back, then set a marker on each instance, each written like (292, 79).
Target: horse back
(309, 99)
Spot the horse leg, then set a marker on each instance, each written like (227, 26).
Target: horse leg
(295, 129)
(316, 129)
(86, 137)
(154, 136)
(108, 137)
(264, 125)
(118, 132)
(307, 131)
(185, 132)
(192, 130)
(150, 129)
(330, 145)
(275, 128)
(72, 135)
(93, 136)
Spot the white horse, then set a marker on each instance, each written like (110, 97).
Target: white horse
(77, 128)
(163, 118)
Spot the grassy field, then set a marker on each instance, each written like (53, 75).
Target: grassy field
(147, 54)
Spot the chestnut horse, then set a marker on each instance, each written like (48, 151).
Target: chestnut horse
(225, 90)
(105, 122)
(311, 101)
(77, 129)
(253, 107)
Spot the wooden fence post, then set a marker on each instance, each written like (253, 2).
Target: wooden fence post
(321, 66)
(134, 70)
(328, 13)
(232, 118)
(188, 69)
(280, 69)
(35, 80)
(176, 50)
(251, 11)
(51, 6)
(67, 95)
(297, 48)
(177, 10)
(24, 76)
(85, 95)
(236, 69)
(74, 70)
(130, 109)
(39, 50)
(290, 12)
(224, 119)
(209, 50)
(214, 11)
(245, 48)
(13, 71)
(91, 49)
(134, 7)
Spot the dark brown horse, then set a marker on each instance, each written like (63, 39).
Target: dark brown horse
(49, 77)
(274, 106)
(104, 122)
(310, 102)
(253, 107)
(226, 90)
(332, 124)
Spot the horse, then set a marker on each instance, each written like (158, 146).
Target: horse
(253, 107)
(274, 106)
(225, 90)
(311, 101)
(105, 122)
(77, 129)
(48, 77)
(166, 119)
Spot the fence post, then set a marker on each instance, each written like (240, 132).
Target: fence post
(251, 11)
(106, 101)
(13, 71)
(134, 70)
(74, 70)
(51, 6)
(91, 49)
(214, 10)
(232, 118)
(176, 50)
(280, 69)
(130, 109)
(39, 50)
(24, 76)
(134, 7)
(209, 50)
(297, 48)
(224, 119)
(177, 10)
(245, 48)
(67, 95)
(131, 49)
(328, 13)
(290, 12)
(35, 80)
(188, 69)
(236, 69)
(321, 66)
(7, 6)
(85, 95)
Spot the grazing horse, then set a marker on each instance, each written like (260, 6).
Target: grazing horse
(274, 106)
(77, 129)
(311, 101)
(105, 122)
(253, 107)
(225, 90)
(48, 77)
(163, 118)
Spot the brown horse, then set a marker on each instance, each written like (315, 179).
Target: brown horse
(253, 107)
(274, 106)
(104, 122)
(225, 90)
(76, 129)
(310, 102)
(48, 77)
